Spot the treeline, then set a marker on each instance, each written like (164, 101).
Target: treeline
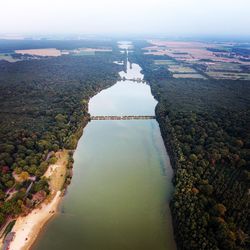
(9, 46)
(44, 107)
(205, 127)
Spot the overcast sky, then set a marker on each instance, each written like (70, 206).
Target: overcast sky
(170, 17)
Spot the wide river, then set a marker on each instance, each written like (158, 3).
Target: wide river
(119, 194)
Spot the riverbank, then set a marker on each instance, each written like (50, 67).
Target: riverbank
(27, 228)
(116, 201)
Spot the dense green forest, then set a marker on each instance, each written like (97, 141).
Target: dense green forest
(205, 127)
(44, 107)
(9, 46)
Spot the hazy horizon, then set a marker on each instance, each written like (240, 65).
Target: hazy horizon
(165, 17)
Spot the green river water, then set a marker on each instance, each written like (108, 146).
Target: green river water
(118, 197)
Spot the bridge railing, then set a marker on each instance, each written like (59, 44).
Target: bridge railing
(125, 117)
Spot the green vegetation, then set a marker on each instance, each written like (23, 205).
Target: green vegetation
(8, 228)
(205, 127)
(44, 107)
(9, 46)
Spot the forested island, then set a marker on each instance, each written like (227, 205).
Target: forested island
(205, 127)
(44, 107)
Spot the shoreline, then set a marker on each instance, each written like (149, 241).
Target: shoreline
(37, 225)
(27, 228)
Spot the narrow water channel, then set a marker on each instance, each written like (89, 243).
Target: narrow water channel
(118, 197)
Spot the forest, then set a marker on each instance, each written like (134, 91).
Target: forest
(205, 127)
(44, 107)
(9, 46)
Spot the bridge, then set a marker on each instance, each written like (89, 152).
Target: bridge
(124, 117)
(139, 80)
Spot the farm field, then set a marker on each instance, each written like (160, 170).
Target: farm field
(181, 69)
(191, 76)
(40, 52)
(215, 60)
(164, 62)
(87, 51)
(229, 75)
(219, 66)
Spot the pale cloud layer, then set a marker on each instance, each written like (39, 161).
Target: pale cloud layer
(211, 17)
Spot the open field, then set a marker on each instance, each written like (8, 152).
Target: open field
(84, 53)
(57, 172)
(229, 75)
(40, 52)
(164, 62)
(27, 54)
(181, 69)
(87, 51)
(220, 66)
(191, 51)
(56, 52)
(215, 60)
(192, 76)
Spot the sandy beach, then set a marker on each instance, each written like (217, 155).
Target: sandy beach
(27, 228)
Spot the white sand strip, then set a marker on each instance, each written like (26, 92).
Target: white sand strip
(27, 228)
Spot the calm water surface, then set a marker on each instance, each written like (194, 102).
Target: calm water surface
(122, 179)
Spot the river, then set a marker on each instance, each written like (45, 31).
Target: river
(121, 186)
